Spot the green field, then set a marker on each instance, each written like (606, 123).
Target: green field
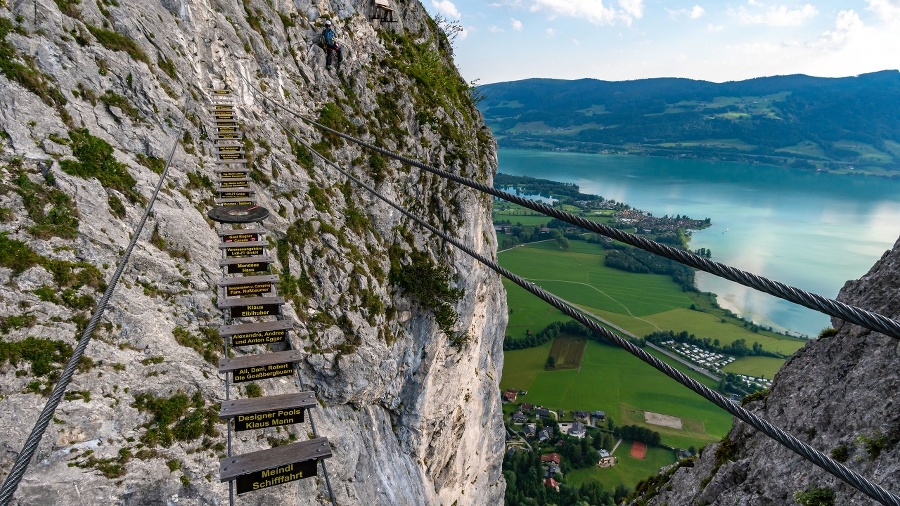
(628, 471)
(640, 303)
(761, 367)
(611, 379)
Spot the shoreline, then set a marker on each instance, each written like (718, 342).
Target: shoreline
(619, 151)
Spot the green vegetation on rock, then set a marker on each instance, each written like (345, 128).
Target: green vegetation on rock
(95, 159)
(176, 418)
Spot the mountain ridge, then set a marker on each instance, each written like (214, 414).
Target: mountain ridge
(838, 124)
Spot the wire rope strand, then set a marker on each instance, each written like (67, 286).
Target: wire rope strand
(31, 443)
(785, 439)
(831, 307)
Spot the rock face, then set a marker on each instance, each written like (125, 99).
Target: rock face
(91, 98)
(838, 393)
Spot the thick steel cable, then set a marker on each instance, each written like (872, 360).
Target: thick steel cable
(792, 443)
(31, 443)
(831, 307)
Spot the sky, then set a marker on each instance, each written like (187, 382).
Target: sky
(618, 40)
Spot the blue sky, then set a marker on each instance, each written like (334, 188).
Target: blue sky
(615, 40)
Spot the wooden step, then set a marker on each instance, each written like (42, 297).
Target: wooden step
(236, 194)
(238, 234)
(232, 161)
(260, 366)
(233, 173)
(235, 202)
(244, 249)
(248, 285)
(249, 334)
(228, 142)
(233, 183)
(230, 149)
(227, 136)
(248, 244)
(247, 265)
(282, 464)
(250, 307)
(269, 411)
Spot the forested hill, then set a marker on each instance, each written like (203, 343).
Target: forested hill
(839, 124)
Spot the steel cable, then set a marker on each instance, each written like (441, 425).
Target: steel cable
(31, 443)
(792, 443)
(831, 307)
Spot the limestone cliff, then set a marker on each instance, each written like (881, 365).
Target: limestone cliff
(91, 96)
(838, 393)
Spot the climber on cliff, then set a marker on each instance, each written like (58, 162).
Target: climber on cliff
(328, 36)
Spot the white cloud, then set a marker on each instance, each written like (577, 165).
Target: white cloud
(593, 11)
(495, 29)
(575, 41)
(775, 16)
(714, 28)
(516, 24)
(634, 8)
(446, 8)
(846, 23)
(695, 12)
(550, 33)
(886, 10)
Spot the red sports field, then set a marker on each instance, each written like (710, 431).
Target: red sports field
(638, 450)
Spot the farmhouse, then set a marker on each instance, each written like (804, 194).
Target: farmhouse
(542, 412)
(550, 457)
(510, 395)
(530, 430)
(527, 408)
(598, 416)
(551, 483)
(519, 418)
(577, 430)
(581, 415)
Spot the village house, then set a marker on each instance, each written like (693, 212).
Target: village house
(598, 416)
(519, 418)
(550, 457)
(510, 395)
(542, 412)
(551, 469)
(581, 415)
(551, 483)
(527, 408)
(543, 435)
(577, 430)
(530, 430)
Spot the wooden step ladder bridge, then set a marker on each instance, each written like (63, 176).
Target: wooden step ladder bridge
(253, 315)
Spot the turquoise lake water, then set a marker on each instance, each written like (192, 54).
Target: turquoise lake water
(813, 231)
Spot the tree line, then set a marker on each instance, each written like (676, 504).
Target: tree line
(640, 261)
(549, 333)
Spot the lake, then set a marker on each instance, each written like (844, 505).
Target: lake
(810, 230)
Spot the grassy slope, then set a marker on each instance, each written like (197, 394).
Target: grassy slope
(628, 471)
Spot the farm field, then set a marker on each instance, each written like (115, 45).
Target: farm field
(628, 471)
(567, 351)
(639, 303)
(763, 367)
(610, 379)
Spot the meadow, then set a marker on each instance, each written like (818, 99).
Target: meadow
(612, 380)
(628, 471)
(639, 303)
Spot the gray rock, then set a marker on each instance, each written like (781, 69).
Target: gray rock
(411, 419)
